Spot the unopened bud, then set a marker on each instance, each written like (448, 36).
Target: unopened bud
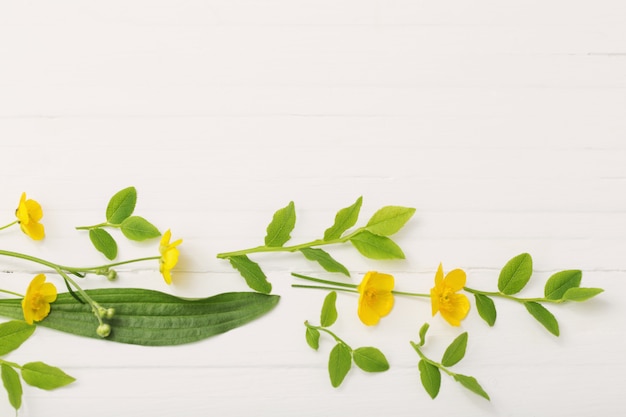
(112, 275)
(103, 330)
(110, 313)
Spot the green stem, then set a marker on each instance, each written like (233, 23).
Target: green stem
(341, 284)
(71, 269)
(12, 293)
(510, 297)
(95, 307)
(430, 361)
(9, 225)
(317, 242)
(11, 364)
(96, 226)
(324, 329)
(320, 287)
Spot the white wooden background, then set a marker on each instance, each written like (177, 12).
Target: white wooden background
(502, 122)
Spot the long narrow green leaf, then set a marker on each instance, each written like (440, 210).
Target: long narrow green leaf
(325, 260)
(146, 317)
(11, 382)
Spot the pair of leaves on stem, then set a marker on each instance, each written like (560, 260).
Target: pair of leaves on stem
(369, 359)
(560, 287)
(36, 374)
(430, 371)
(119, 215)
(371, 240)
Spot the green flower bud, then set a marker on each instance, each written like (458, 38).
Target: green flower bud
(103, 330)
(110, 313)
(112, 275)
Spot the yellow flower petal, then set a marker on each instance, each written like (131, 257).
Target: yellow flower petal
(36, 302)
(169, 255)
(457, 309)
(375, 299)
(455, 280)
(28, 214)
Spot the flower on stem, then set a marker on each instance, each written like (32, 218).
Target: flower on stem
(444, 298)
(169, 255)
(28, 214)
(36, 302)
(375, 297)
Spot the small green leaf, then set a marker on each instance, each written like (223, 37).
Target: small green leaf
(370, 359)
(252, 273)
(283, 222)
(422, 333)
(515, 274)
(329, 310)
(13, 334)
(471, 384)
(455, 351)
(345, 219)
(486, 308)
(376, 247)
(152, 318)
(390, 219)
(40, 375)
(325, 260)
(121, 205)
(339, 363)
(13, 385)
(137, 228)
(430, 377)
(543, 316)
(103, 242)
(581, 294)
(560, 282)
(313, 337)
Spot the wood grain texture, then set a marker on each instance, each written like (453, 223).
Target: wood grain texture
(501, 123)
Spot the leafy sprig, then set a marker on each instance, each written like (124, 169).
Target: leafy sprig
(430, 370)
(119, 215)
(36, 374)
(369, 359)
(561, 287)
(371, 240)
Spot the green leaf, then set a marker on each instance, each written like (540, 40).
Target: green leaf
(137, 228)
(13, 385)
(376, 247)
(370, 359)
(560, 282)
(388, 220)
(423, 331)
(152, 318)
(40, 375)
(430, 377)
(313, 337)
(345, 219)
(329, 310)
(339, 363)
(486, 308)
(14, 333)
(471, 384)
(543, 316)
(283, 222)
(325, 260)
(455, 351)
(121, 205)
(515, 274)
(581, 294)
(103, 242)
(252, 273)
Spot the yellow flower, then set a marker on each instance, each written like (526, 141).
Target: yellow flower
(28, 214)
(169, 255)
(36, 302)
(453, 307)
(376, 298)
